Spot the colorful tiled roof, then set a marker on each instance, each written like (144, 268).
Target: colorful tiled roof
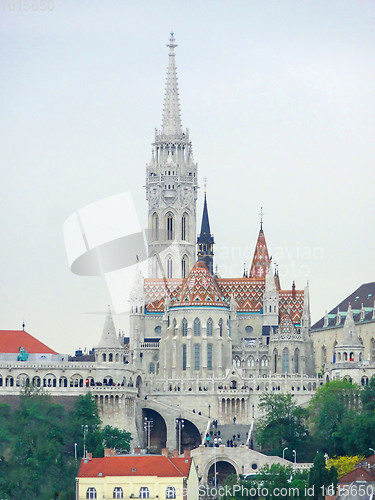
(261, 259)
(200, 289)
(130, 465)
(248, 293)
(12, 340)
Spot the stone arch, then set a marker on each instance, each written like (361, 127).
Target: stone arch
(22, 380)
(158, 434)
(155, 227)
(185, 227)
(190, 436)
(138, 384)
(218, 459)
(49, 380)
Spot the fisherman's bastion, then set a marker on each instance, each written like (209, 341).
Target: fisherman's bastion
(200, 347)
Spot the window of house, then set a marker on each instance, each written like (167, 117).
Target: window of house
(118, 492)
(144, 492)
(170, 228)
(170, 492)
(184, 357)
(91, 493)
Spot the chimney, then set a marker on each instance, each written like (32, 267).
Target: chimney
(175, 453)
(165, 452)
(108, 452)
(89, 456)
(187, 454)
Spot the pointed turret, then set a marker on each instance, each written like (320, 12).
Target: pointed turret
(205, 240)
(270, 299)
(171, 115)
(306, 316)
(109, 337)
(261, 258)
(350, 348)
(349, 334)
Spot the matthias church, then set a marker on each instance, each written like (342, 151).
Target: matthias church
(200, 346)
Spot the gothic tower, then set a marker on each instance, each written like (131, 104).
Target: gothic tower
(171, 189)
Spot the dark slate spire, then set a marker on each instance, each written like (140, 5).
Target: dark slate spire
(205, 240)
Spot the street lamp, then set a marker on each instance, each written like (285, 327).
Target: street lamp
(209, 411)
(179, 427)
(85, 429)
(372, 449)
(148, 425)
(295, 456)
(284, 450)
(75, 451)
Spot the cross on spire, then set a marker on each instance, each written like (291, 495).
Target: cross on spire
(261, 213)
(205, 185)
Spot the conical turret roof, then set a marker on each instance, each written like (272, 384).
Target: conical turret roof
(349, 332)
(261, 258)
(171, 115)
(109, 338)
(200, 289)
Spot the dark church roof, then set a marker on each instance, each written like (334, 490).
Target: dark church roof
(365, 295)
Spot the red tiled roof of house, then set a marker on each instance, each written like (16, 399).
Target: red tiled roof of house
(358, 474)
(12, 340)
(130, 465)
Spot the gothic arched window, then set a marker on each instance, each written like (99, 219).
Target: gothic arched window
(209, 327)
(197, 327)
(169, 267)
(296, 361)
(184, 328)
(184, 266)
(221, 327)
(170, 228)
(185, 227)
(286, 360)
(209, 356)
(155, 227)
(197, 357)
(184, 357)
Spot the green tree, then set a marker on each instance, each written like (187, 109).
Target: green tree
(283, 425)
(116, 439)
(327, 410)
(85, 413)
(320, 478)
(356, 432)
(38, 466)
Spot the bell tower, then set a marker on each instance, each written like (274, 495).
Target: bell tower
(171, 189)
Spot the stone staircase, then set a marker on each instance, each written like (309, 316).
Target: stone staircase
(227, 431)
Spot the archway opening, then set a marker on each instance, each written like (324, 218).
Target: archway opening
(190, 436)
(223, 470)
(155, 434)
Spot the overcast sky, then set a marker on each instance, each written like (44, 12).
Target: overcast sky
(279, 100)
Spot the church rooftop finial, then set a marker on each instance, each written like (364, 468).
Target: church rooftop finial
(261, 213)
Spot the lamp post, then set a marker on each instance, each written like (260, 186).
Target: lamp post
(295, 456)
(284, 450)
(75, 451)
(179, 427)
(209, 411)
(148, 425)
(85, 429)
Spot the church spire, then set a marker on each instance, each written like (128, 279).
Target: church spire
(171, 113)
(261, 259)
(205, 240)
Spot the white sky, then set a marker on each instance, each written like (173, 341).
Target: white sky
(279, 99)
